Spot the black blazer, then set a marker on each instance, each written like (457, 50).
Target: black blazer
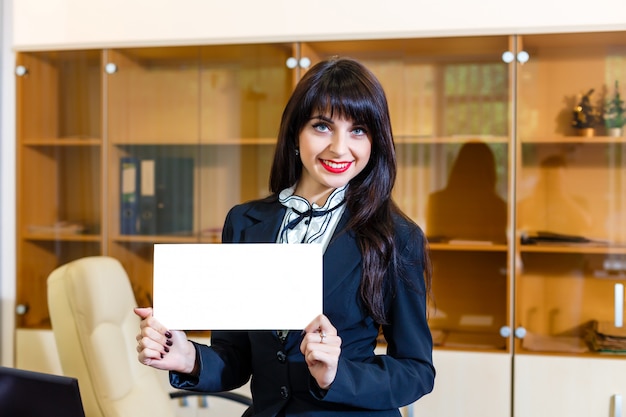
(366, 384)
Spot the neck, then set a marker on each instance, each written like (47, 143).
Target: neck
(314, 198)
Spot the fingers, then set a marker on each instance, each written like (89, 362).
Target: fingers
(148, 320)
(161, 348)
(152, 344)
(320, 338)
(143, 312)
(314, 347)
(153, 340)
(325, 354)
(321, 325)
(321, 347)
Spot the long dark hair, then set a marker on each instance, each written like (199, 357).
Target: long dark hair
(346, 88)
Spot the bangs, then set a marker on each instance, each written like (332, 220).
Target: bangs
(343, 96)
(360, 111)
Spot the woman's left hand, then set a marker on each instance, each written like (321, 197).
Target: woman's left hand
(321, 347)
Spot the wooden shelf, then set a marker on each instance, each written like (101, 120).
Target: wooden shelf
(63, 142)
(471, 247)
(197, 142)
(408, 139)
(574, 248)
(156, 239)
(575, 139)
(62, 237)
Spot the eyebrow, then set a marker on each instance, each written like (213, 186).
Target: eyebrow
(323, 118)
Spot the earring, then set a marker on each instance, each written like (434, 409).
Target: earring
(297, 152)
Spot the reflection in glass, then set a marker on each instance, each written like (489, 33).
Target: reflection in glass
(469, 207)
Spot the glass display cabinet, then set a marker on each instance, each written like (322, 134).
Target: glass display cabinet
(508, 158)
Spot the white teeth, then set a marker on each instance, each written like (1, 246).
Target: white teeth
(336, 165)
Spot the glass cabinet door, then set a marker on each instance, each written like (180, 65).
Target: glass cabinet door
(59, 182)
(571, 194)
(153, 125)
(244, 89)
(449, 101)
(191, 133)
(570, 226)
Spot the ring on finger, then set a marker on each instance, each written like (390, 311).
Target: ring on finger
(322, 336)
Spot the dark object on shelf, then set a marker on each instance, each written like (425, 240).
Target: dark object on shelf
(157, 195)
(550, 237)
(585, 115)
(605, 337)
(174, 195)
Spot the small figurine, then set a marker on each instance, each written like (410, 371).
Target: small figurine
(585, 116)
(614, 111)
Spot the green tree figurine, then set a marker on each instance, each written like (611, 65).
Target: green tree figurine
(614, 111)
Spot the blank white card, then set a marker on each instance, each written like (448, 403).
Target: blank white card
(252, 286)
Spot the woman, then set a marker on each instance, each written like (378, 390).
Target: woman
(331, 181)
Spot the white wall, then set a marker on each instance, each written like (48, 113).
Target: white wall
(7, 186)
(55, 24)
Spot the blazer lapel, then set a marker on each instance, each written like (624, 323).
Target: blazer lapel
(341, 257)
(266, 222)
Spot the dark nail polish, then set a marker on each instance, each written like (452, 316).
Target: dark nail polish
(162, 356)
(166, 349)
(168, 335)
(169, 342)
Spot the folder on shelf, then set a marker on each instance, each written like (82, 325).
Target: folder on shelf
(147, 198)
(174, 195)
(129, 199)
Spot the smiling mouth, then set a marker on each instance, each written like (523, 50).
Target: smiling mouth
(335, 167)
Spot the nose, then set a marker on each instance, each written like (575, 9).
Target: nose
(339, 143)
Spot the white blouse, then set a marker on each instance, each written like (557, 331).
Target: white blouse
(310, 223)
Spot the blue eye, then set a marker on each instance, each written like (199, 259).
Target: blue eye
(359, 131)
(321, 127)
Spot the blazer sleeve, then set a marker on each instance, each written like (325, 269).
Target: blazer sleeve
(225, 365)
(406, 372)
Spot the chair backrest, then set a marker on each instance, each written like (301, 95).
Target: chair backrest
(91, 309)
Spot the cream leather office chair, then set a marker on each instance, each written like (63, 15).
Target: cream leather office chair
(91, 308)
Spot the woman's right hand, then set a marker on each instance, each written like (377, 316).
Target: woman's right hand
(161, 348)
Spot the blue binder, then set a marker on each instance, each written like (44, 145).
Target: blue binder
(147, 198)
(174, 180)
(129, 195)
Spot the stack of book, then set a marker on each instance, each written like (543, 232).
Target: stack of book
(605, 337)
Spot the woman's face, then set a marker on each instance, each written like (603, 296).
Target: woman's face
(333, 151)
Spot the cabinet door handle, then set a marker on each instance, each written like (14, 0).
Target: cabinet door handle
(110, 68)
(619, 305)
(617, 405)
(291, 62)
(21, 70)
(505, 331)
(21, 309)
(508, 57)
